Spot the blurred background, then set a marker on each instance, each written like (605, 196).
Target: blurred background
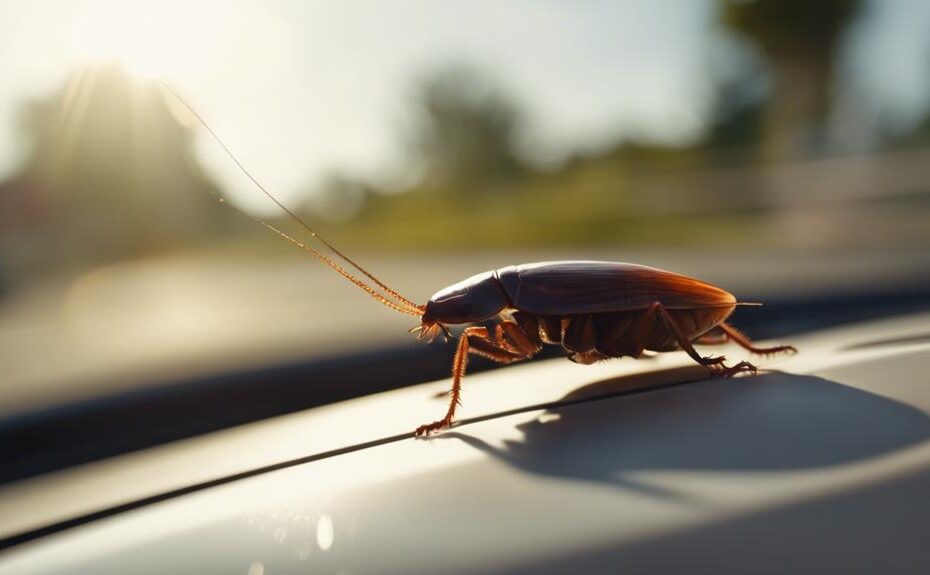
(780, 149)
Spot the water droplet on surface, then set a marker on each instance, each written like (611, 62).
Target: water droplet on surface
(325, 533)
(280, 534)
(256, 569)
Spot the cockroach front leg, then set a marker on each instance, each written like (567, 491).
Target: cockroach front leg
(476, 340)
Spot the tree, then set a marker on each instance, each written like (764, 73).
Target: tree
(466, 133)
(799, 41)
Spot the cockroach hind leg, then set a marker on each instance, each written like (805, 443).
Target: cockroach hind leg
(789, 349)
(740, 339)
(714, 363)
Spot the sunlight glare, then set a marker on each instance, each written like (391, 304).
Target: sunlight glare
(152, 40)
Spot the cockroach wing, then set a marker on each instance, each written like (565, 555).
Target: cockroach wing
(580, 287)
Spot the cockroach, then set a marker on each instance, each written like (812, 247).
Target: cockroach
(594, 310)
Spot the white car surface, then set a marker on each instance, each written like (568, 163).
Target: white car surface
(821, 463)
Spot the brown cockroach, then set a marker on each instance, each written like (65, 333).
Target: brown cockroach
(593, 310)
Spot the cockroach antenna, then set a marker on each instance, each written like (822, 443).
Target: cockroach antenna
(392, 299)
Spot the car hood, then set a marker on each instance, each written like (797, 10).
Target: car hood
(623, 466)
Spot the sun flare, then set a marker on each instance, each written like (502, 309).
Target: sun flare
(152, 40)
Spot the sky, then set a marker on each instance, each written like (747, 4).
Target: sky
(298, 88)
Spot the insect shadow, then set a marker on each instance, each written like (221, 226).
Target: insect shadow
(771, 422)
(905, 340)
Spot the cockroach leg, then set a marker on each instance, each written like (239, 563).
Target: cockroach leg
(713, 337)
(530, 326)
(639, 332)
(458, 369)
(490, 349)
(579, 335)
(741, 367)
(715, 364)
(737, 337)
(588, 357)
(478, 341)
(522, 341)
(550, 330)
